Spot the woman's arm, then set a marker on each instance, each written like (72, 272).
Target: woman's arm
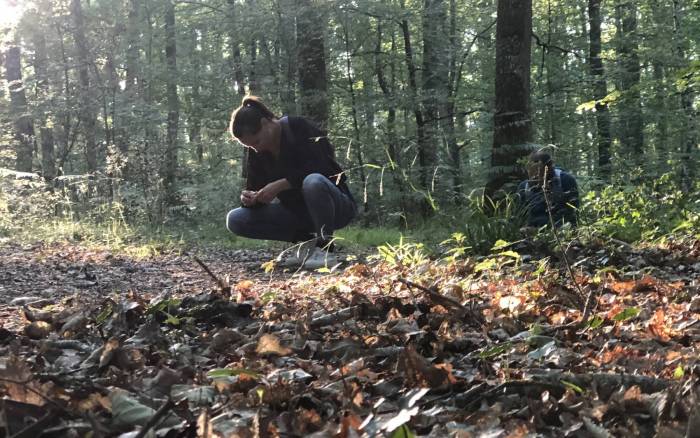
(271, 190)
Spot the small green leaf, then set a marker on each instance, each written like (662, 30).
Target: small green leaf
(403, 432)
(102, 317)
(228, 372)
(627, 314)
(595, 322)
(172, 320)
(500, 244)
(678, 373)
(485, 265)
(572, 387)
(511, 254)
(495, 350)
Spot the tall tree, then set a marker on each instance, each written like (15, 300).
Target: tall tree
(631, 121)
(434, 75)
(87, 106)
(169, 169)
(48, 161)
(600, 88)
(23, 125)
(512, 123)
(313, 85)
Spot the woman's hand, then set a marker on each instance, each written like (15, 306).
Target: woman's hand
(270, 191)
(248, 198)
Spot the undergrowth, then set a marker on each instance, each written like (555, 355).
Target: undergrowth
(31, 211)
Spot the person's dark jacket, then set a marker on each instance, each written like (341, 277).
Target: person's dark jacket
(304, 149)
(563, 197)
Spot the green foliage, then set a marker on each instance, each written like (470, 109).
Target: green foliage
(403, 254)
(486, 221)
(646, 211)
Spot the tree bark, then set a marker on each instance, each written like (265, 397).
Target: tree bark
(170, 162)
(48, 160)
(353, 106)
(689, 135)
(388, 89)
(313, 85)
(631, 117)
(434, 80)
(417, 111)
(512, 120)
(23, 125)
(87, 107)
(600, 89)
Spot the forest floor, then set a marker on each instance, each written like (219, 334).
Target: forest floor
(93, 340)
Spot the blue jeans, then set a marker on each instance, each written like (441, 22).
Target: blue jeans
(329, 209)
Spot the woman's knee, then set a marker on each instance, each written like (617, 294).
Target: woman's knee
(236, 221)
(315, 181)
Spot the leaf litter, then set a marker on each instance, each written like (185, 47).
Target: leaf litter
(101, 344)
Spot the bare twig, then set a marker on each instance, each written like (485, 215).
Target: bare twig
(223, 285)
(155, 419)
(588, 303)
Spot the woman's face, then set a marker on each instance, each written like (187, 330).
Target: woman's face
(261, 141)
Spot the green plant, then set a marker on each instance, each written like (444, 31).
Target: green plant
(403, 254)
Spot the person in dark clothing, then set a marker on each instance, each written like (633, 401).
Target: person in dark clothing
(561, 190)
(295, 190)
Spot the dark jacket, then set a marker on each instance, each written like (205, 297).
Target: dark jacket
(563, 197)
(304, 149)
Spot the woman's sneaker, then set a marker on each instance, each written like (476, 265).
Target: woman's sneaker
(319, 258)
(294, 256)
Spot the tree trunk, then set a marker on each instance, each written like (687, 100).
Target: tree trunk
(689, 134)
(170, 162)
(600, 89)
(353, 107)
(448, 106)
(631, 118)
(23, 125)
(388, 89)
(87, 107)
(287, 39)
(434, 86)
(48, 161)
(313, 85)
(195, 119)
(512, 121)
(417, 111)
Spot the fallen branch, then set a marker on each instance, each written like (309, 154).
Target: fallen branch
(155, 419)
(223, 285)
(341, 315)
(608, 381)
(37, 427)
(442, 300)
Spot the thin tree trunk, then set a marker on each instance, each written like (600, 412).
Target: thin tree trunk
(313, 85)
(170, 162)
(23, 125)
(195, 131)
(434, 73)
(87, 108)
(355, 125)
(448, 110)
(600, 88)
(48, 160)
(689, 135)
(417, 112)
(287, 39)
(631, 117)
(512, 119)
(389, 94)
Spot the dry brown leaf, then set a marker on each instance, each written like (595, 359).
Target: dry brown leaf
(270, 344)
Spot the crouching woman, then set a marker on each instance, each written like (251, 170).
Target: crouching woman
(295, 190)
